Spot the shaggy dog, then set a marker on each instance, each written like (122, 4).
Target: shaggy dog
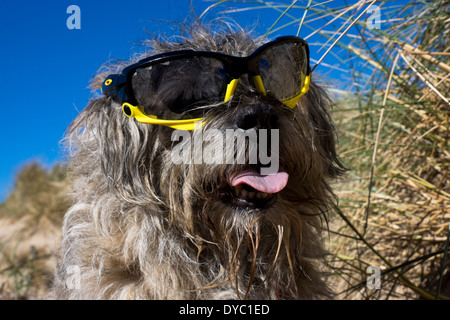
(145, 227)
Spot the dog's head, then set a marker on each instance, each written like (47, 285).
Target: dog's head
(248, 183)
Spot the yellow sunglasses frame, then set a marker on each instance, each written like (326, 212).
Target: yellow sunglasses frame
(191, 124)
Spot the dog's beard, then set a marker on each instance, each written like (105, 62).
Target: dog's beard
(253, 233)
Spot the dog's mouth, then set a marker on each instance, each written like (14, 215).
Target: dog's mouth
(249, 189)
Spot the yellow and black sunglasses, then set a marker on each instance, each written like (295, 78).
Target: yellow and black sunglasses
(186, 79)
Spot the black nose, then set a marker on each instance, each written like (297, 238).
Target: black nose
(256, 117)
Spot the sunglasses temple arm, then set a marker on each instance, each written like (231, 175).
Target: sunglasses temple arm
(139, 114)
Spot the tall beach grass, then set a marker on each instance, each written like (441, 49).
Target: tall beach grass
(392, 70)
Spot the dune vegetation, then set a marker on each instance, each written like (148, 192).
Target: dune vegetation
(392, 112)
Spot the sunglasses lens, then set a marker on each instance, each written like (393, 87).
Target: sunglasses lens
(283, 69)
(182, 84)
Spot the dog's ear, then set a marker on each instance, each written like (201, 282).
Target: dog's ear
(108, 146)
(318, 105)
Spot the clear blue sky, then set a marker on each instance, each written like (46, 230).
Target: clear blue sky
(46, 67)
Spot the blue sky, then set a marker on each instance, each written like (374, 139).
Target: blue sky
(46, 68)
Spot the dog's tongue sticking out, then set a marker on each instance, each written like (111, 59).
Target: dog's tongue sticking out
(272, 183)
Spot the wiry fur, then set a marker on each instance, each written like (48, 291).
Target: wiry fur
(144, 228)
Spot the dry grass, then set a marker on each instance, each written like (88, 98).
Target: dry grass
(394, 133)
(397, 193)
(394, 127)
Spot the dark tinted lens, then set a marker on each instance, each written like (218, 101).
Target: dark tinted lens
(283, 69)
(182, 84)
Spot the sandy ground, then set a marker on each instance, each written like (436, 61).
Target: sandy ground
(28, 257)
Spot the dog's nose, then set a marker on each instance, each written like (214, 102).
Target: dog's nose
(256, 117)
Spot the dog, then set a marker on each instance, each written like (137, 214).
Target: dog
(148, 225)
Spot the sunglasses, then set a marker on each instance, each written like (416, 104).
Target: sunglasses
(186, 80)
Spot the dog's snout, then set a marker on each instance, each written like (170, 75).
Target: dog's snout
(256, 117)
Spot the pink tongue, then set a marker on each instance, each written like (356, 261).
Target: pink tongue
(269, 184)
